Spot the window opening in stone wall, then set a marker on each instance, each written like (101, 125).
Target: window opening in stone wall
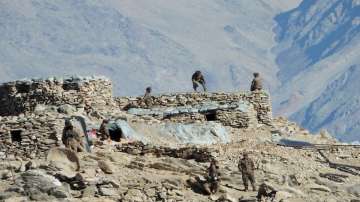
(71, 86)
(116, 134)
(23, 88)
(16, 136)
(210, 116)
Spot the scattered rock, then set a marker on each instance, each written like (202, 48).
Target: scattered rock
(40, 185)
(354, 190)
(105, 167)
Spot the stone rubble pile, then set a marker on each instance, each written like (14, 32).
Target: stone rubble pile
(139, 148)
(23, 96)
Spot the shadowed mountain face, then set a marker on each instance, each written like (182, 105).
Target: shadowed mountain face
(337, 109)
(317, 54)
(158, 43)
(314, 31)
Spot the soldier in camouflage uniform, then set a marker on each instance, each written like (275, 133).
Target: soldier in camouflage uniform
(71, 138)
(147, 97)
(246, 167)
(256, 83)
(197, 80)
(213, 178)
(104, 130)
(266, 192)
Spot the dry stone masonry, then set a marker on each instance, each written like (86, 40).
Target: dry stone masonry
(32, 112)
(23, 96)
(241, 109)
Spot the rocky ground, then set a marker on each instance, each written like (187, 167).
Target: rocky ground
(136, 172)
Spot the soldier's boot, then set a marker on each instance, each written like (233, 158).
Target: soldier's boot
(214, 187)
(206, 188)
(253, 186)
(246, 188)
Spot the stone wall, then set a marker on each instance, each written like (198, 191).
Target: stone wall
(233, 109)
(23, 96)
(28, 130)
(29, 136)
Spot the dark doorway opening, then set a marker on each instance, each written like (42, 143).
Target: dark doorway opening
(116, 135)
(210, 116)
(16, 136)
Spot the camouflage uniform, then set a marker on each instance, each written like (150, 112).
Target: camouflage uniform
(246, 166)
(147, 97)
(71, 138)
(197, 80)
(104, 130)
(263, 192)
(256, 83)
(213, 179)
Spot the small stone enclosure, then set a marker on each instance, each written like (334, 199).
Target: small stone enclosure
(23, 96)
(27, 133)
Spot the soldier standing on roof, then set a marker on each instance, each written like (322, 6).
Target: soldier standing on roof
(256, 83)
(147, 97)
(197, 80)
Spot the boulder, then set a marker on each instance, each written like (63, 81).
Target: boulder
(64, 159)
(41, 186)
(105, 167)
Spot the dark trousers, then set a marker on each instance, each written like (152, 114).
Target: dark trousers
(196, 84)
(248, 177)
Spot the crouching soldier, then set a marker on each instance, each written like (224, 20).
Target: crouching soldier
(71, 138)
(246, 167)
(213, 178)
(266, 192)
(197, 80)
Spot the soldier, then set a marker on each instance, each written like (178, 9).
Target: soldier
(213, 178)
(197, 80)
(71, 138)
(147, 97)
(246, 166)
(104, 130)
(256, 83)
(263, 192)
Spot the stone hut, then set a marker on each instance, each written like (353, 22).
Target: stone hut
(239, 109)
(27, 131)
(23, 96)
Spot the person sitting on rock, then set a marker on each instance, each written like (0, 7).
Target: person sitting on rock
(71, 138)
(104, 133)
(197, 80)
(256, 83)
(147, 99)
(266, 191)
(246, 167)
(213, 178)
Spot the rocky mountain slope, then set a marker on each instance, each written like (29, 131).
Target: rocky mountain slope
(317, 55)
(137, 172)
